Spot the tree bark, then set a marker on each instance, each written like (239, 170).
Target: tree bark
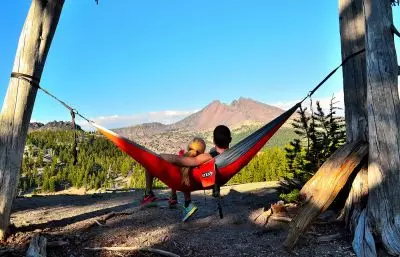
(357, 199)
(33, 46)
(383, 125)
(37, 247)
(320, 191)
(352, 38)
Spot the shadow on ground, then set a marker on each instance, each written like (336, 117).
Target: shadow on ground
(160, 227)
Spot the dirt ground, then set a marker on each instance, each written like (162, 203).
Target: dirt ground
(71, 219)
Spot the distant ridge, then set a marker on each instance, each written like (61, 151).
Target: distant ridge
(144, 129)
(53, 125)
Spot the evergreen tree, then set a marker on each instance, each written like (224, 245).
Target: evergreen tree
(320, 136)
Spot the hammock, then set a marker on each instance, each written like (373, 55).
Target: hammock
(218, 170)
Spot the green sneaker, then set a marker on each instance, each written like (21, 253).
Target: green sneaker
(189, 211)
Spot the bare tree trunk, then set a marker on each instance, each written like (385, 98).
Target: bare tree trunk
(352, 37)
(357, 199)
(383, 124)
(33, 46)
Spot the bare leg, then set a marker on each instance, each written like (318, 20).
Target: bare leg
(149, 183)
(188, 198)
(173, 194)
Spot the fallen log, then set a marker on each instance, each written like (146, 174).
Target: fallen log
(133, 248)
(104, 218)
(320, 191)
(160, 252)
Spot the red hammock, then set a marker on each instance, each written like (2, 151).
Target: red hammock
(220, 169)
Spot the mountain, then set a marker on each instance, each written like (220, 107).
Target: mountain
(243, 116)
(238, 112)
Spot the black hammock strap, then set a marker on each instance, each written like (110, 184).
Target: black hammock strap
(35, 82)
(332, 72)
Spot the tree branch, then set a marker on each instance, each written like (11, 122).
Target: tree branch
(134, 248)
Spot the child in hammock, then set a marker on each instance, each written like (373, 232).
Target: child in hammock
(196, 147)
(222, 139)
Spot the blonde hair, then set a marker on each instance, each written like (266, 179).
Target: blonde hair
(196, 147)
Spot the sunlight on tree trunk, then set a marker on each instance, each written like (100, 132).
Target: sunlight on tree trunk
(383, 124)
(352, 37)
(33, 46)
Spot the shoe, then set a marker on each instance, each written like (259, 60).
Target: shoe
(189, 211)
(172, 203)
(148, 199)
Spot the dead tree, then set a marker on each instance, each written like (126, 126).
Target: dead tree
(373, 114)
(383, 106)
(352, 35)
(33, 46)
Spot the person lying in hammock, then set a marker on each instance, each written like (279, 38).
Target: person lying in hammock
(222, 139)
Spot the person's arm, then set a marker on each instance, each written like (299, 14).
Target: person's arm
(186, 161)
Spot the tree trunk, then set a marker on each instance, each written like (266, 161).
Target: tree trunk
(357, 199)
(383, 125)
(33, 46)
(352, 38)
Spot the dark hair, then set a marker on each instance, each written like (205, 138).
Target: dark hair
(222, 136)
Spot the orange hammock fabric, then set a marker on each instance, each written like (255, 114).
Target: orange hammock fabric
(218, 170)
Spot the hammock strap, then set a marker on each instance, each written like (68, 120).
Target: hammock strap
(217, 196)
(332, 72)
(35, 82)
(74, 145)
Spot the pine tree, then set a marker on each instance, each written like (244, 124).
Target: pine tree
(320, 135)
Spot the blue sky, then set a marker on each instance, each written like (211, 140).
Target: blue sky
(125, 62)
